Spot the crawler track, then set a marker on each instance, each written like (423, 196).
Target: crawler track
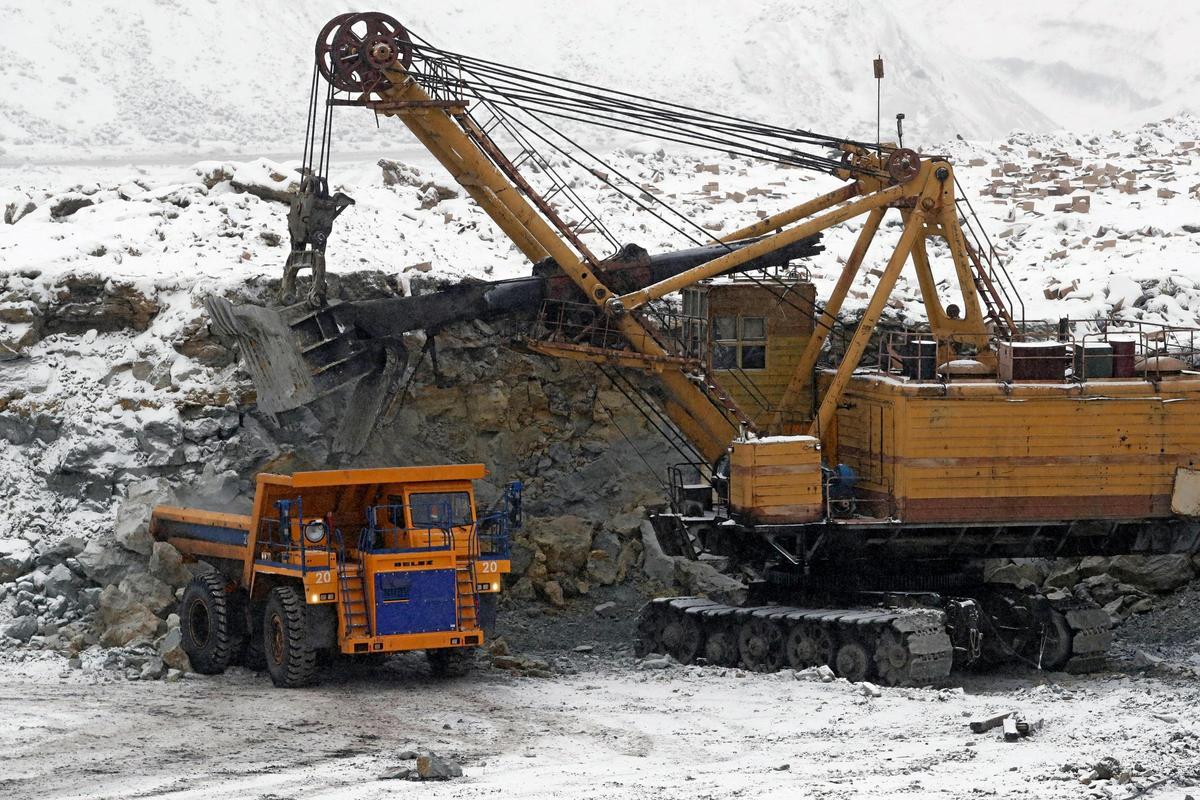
(894, 646)
(897, 647)
(1088, 634)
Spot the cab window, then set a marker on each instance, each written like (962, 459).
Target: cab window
(439, 509)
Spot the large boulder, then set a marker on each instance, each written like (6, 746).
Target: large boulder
(1155, 573)
(133, 515)
(602, 564)
(16, 559)
(659, 566)
(170, 647)
(703, 579)
(166, 564)
(105, 564)
(65, 549)
(123, 619)
(566, 541)
(1020, 575)
(61, 582)
(22, 628)
(147, 590)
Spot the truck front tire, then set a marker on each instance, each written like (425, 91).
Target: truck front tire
(291, 659)
(205, 625)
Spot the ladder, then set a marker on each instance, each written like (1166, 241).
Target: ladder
(466, 596)
(352, 588)
(992, 282)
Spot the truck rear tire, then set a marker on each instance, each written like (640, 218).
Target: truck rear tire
(291, 659)
(449, 662)
(205, 625)
(254, 656)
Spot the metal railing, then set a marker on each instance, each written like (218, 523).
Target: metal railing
(490, 533)
(1078, 351)
(685, 338)
(389, 533)
(991, 268)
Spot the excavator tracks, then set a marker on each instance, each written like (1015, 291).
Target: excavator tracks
(1079, 630)
(894, 646)
(897, 647)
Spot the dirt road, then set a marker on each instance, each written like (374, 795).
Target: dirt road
(600, 733)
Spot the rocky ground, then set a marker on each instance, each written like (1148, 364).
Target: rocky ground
(593, 723)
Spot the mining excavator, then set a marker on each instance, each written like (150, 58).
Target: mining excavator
(863, 471)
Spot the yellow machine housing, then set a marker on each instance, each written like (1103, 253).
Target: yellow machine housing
(974, 450)
(777, 479)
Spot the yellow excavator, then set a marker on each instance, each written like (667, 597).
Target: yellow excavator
(865, 472)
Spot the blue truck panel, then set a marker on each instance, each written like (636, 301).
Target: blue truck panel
(415, 602)
(206, 533)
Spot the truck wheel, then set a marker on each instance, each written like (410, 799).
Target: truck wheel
(487, 613)
(291, 660)
(449, 662)
(205, 624)
(254, 656)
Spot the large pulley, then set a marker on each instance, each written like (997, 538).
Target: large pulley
(355, 50)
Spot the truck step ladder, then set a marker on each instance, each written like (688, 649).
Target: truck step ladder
(468, 597)
(352, 590)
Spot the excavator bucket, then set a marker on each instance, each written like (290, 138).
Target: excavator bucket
(298, 354)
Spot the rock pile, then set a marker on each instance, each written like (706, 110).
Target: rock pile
(1123, 585)
(429, 767)
(105, 605)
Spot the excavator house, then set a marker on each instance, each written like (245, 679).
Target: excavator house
(352, 562)
(864, 471)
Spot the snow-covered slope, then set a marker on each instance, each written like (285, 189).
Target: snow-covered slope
(143, 78)
(1083, 63)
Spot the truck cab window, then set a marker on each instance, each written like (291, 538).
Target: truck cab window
(430, 509)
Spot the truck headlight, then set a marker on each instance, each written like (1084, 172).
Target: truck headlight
(314, 531)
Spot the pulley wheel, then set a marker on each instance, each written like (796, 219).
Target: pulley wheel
(805, 647)
(353, 50)
(721, 649)
(760, 642)
(851, 661)
(682, 638)
(903, 165)
(891, 658)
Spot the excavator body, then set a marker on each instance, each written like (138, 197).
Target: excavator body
(356, 562)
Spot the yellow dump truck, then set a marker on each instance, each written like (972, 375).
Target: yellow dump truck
(357, 562)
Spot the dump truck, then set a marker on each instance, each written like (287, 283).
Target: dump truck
(356, 562)
(866, 472)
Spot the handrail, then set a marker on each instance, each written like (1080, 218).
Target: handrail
(992, 256)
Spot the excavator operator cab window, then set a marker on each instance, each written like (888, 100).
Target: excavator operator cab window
(754, 343)
(739, 342)
(440, 509)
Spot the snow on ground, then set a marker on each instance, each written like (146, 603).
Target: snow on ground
(606, 732)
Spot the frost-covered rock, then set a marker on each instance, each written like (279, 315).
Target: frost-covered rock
(124, 619)
(16, 558)
(105, 563)
(133, 515)
(1156, 573)
(148, 590)
(166, 564)
(22, 628)
(170, 647)
(62, 582)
